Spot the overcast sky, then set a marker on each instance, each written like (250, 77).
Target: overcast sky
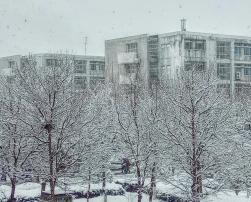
(39, 26)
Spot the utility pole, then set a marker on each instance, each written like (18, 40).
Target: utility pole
(85, 44)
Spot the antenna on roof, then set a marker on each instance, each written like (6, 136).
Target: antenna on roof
(183, 24)
(85, 44)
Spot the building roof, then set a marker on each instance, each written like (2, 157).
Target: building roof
(199, 34)
(129, 37)
(88, 57)
(213, 35)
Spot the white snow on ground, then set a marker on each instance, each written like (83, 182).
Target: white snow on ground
(228, 196)
(26, 190)
(30, 189)
(132, 197)
(83, 187)
(4, 191)
(161, 187)
(129, 197)
(77, 185)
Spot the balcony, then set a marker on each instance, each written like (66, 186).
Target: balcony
(128, 58)
(195, 55)
(246, 58)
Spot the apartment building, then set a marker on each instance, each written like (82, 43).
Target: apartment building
(164, 55)
(88, 70)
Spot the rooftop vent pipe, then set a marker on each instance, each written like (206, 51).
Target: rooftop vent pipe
(183, 25)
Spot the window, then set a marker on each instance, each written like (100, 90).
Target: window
(80, 66)
(153, 73)
(223, 71)
(153, 60)
(165, 51)
(97, 66)
(101, 67)
(131, 68)
(247, 51)
(195, 44)
(80, 81)
(12, 64)
(237, 50)
(132, 47)
(200, 45)
(247, 71)
(243, 68)
(223, 50)
(52, 62)
(195, 48)
(188, 44)
(242, 51)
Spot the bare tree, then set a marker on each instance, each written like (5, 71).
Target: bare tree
(196, 122)
(17, 147)
(134, 132)
(238, 172)
(56, 113)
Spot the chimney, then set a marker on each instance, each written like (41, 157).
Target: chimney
(183, 25)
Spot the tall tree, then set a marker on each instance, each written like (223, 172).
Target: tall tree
(56, 112)
(96, 156)
(133, 129)
(17, 148)
(239, 171)
(196, 122)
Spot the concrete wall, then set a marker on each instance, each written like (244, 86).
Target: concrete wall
(41, 62)
(175, 42)
(5, 68)
(116, 46)
(170, 55)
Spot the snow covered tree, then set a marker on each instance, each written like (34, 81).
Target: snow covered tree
(134, 130)
(17, 148)
(196, 125)
(96, 155)
(55, 113)
(152, 106)
(239, 171)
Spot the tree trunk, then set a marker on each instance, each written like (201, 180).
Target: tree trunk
(247, 186)
(13, 189)
(104, 186)
(153, 184)
(248, 192)
(195, 170)
(37, 179)
(197, 182)
(139, 196)
(3, 175)
(89, 185)
(43, 187)
(51, 163)
(199, 177)
(139, 181)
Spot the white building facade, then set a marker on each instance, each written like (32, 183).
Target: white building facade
(163, 55)
(88, 70)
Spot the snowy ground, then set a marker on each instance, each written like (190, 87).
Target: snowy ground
(228, 196)
(28, 190)
(132, 197)
(129, 197)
